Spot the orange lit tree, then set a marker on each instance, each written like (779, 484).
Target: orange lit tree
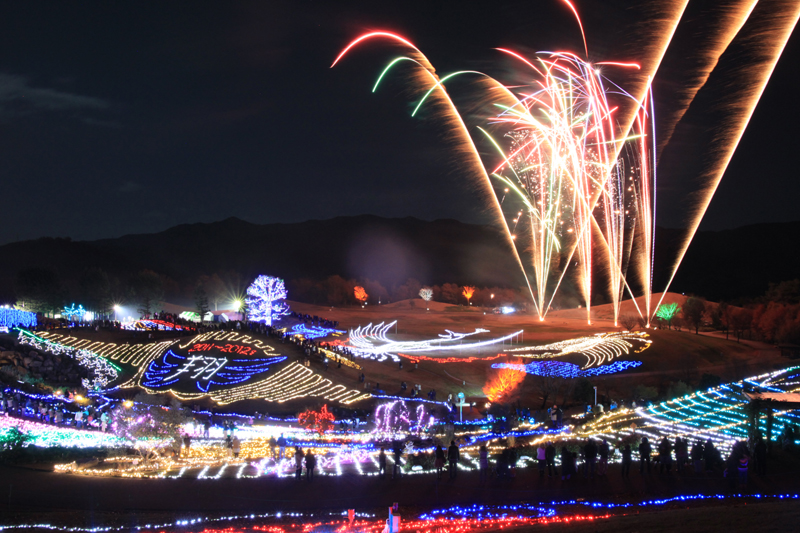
(468, 292)
(360, 293)
(503, 384)
(319, 421)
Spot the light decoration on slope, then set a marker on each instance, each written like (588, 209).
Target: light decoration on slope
(132, 354)
(599, 349)
(206, 370)
(313, 332)
(561, 369)
(48, 436)
(455, 519)
(719, 414)
(371, 342)
(12, 318)
(104, 371)
(146, 324)
(392, 418)
(265, 300)
(290, 382)
(319, 421)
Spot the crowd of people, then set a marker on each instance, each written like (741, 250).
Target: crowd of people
(71, 411)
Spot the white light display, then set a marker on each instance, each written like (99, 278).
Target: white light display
(265, 299)
(371, 341)
(599, 349)
(104, 371)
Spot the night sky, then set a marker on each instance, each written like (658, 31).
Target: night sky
(131, 117)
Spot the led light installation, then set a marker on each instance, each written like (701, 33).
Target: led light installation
(205, 371)
(12, 318)
(599, 349)
(231, 367)
(104, 371)
(313, 332)
(561, 369)
(372, 341)
(265, 300)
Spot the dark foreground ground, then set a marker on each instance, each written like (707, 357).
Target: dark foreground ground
(29, 495)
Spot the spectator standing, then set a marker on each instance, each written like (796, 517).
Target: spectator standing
(590, 453)
(697, 457)
(382, 464)
(644, 455)
(298, 462)
(282, 446)
(626, 460)
(311, 463)
(439, 461)
(550, 458)
(541, 458)
(452, 459)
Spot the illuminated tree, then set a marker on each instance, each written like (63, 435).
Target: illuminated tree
(360, 294)
(264, 299)
(468, 292)
(319, 421)
(667, 312)
(148, 425)
(426, 293)
(504, 383)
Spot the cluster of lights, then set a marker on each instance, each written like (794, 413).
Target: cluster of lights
(148, 324)
(291, 382)
(561, 369)
(718, 414)
(371, 341)
(47, 436)
(313, 332)
(104, 371)
(76, 313)
(598, 349)
(451, 359)
(203, 371)
(12, 318)
(133, 354)
(394, 417)
(265, 300)
(456, 519)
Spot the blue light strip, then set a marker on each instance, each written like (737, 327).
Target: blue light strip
(10, 318)
(561, 369)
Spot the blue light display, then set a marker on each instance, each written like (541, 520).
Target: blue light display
(73, 312)
(203, 372)
(10, 318)
(561, 369)
(458, 512)
(313, 332)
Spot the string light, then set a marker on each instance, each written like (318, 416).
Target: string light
(599, 349)
(560, 369)
(12, 318)
(104, 372)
